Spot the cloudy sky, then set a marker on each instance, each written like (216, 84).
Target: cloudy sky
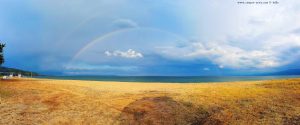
(150, 37)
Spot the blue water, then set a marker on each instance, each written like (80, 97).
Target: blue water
(169, 79)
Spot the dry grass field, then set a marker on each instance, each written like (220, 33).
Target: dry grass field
(67, 102)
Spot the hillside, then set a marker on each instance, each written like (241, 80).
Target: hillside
(5, 70)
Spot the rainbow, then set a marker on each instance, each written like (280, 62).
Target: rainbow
(108, 35)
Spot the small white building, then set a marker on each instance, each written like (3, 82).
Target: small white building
(4, 77)
(11, 75)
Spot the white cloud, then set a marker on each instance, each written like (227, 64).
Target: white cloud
(276, 51)
(234, 57)
(244, 36)
(126, 54)
(225, 18)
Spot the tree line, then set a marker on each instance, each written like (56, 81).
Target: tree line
(2, 45)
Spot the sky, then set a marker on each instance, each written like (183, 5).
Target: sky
(150, 37)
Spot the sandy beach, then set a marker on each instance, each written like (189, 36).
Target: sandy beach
(70, 102)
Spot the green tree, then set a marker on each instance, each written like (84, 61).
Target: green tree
(1, 53)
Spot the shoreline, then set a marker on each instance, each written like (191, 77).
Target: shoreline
(153, 83)
(136, 79)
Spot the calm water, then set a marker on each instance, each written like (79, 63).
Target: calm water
(169, 79)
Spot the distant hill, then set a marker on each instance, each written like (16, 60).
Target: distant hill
(6, 71)
(287, 72)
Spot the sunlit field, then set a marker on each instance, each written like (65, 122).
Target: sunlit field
(37, 101)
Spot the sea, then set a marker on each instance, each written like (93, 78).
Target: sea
(170, 79)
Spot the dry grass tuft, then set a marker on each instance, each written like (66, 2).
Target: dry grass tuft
(162, 111)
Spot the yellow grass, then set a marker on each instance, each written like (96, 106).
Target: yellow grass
(37, 101)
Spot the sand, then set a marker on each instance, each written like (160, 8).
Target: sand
(44, 101)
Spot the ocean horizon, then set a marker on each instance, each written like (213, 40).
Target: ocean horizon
(170, 79)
